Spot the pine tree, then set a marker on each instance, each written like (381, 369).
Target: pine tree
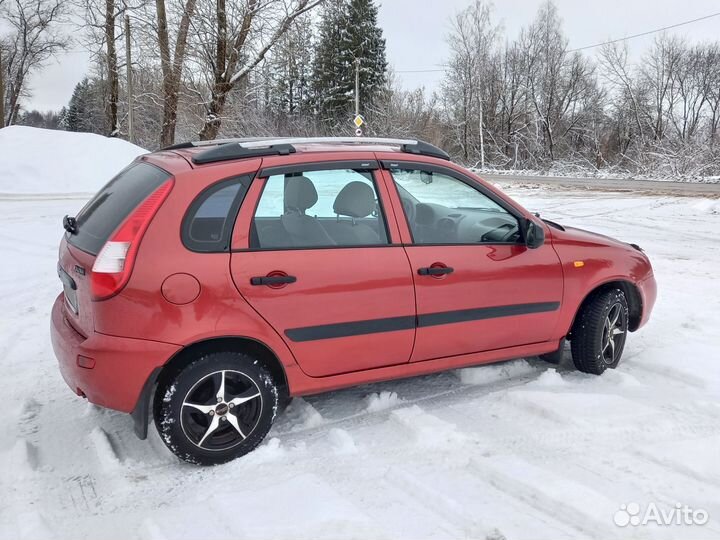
(291, 69)
(349, 32)
(85, 110)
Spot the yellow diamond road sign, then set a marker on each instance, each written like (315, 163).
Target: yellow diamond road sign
(359, 120)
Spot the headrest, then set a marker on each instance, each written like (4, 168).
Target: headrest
(300, 193)
(357, 199)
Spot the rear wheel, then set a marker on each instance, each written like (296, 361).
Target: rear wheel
(599, 332)
(217, 408)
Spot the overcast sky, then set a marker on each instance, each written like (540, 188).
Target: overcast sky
(416, 30)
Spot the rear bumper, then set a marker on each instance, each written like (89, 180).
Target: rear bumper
(121, 365)
(648, 291)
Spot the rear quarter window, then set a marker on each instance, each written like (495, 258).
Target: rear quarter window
(113, 203)
(208, 223)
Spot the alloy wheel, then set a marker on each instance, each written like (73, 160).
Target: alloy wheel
(221, 410)
(613, 334)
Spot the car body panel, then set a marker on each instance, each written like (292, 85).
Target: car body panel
(591, 260)
(360, 295)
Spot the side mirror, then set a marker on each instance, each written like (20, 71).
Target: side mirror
(534, 234)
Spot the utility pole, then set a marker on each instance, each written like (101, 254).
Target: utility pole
(357, 86)
(482, 138)
(128, 65)
(358, 119)
(2, 93)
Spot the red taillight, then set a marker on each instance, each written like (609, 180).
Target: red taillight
(114, 263)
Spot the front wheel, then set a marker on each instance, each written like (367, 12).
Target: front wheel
(599, 332)
(217, 408)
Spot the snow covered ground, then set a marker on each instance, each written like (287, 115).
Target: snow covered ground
(515, 450)
(30, 158)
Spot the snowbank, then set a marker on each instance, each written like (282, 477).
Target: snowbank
(71, 162)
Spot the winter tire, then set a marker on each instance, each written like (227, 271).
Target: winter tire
(599, 332)
(217, 408)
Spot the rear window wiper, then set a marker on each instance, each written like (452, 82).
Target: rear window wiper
(70, 224)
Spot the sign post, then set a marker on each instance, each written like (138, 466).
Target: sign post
(359, 121)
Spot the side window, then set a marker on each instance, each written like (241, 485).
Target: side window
(209, 220)
(441, 209)
(318, 209)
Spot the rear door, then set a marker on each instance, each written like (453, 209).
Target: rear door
(478, 286)
(318, 259)
(95, 223)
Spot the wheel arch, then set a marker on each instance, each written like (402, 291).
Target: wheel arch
(632, 295)
(162, 374)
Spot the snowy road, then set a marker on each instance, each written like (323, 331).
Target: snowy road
(517, 450)
(651, 187)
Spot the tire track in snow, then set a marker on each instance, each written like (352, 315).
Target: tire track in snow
(458, 391)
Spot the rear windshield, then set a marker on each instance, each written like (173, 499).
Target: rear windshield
(113, 203)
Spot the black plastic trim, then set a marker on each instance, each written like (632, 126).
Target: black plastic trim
(479, 314)
(66, 278)
(179, 146)
(435, 270)
(272, 280)
(313, 248)
(142, 408)
(348, 329)
(407, 322)
(234, 150)
(355, 165)
(422, 148)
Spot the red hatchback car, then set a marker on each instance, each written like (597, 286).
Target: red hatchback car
(208, 283)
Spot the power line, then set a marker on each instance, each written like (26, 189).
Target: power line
(418, 70)
(646, 33)
(590, 46)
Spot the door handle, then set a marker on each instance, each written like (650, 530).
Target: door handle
(435, 270)
(272, 280)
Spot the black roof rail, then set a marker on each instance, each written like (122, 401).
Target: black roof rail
(425, 149)
(228, 151)
(178, 146)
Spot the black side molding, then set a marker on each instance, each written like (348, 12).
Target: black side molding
(479, 314)
(408, 322)
(348, 329)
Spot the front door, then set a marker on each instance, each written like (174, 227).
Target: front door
(478, 286)
(320, 267)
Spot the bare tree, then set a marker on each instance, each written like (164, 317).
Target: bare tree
(658, 73)
(713, 89)
(614, 61)
(234, 40)
(32, 41)
(557, 81)
(172, 64)
(2, 79)
(471, 41)
(100, 24)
